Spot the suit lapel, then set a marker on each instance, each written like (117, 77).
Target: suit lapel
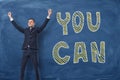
(32, 29)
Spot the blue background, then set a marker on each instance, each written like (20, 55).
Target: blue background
(11, 39)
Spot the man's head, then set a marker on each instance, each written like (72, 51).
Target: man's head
(31, 22)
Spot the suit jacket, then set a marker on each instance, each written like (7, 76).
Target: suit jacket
(31, 36)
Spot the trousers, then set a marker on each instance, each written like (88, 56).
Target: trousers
(29, 54)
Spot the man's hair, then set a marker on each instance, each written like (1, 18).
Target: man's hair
(32, 19)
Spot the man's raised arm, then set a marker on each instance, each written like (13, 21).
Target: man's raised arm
(46, 21)
(14, 23)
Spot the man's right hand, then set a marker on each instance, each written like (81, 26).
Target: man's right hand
(9, 14)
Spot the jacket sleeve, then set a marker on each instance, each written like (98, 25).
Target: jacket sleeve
(19, 28)
(39, 29)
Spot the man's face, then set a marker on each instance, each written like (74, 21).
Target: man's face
(31, 23)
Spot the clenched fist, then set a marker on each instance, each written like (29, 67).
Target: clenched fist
(49, 12)
(9, 14)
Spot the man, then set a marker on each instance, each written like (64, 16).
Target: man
(30, 45)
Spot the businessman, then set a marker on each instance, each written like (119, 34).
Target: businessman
(30, 45)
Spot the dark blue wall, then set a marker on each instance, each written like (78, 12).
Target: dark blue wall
(11, 40)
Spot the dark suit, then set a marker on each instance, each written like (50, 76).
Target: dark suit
(31, 36)
(30, 46)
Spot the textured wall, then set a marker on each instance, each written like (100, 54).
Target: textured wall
(109, 31)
